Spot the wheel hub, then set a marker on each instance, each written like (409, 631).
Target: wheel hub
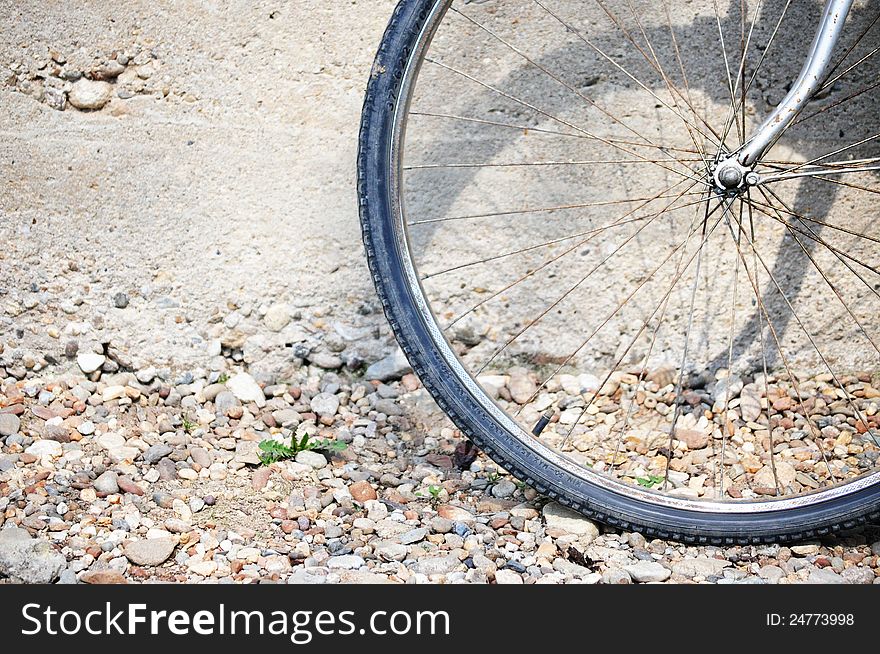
(730, 177)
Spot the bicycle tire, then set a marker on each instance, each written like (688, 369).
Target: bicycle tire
(397, 54)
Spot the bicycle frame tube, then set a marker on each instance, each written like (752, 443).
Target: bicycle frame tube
(808, 82)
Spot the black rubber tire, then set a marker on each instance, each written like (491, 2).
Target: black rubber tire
(616, 509)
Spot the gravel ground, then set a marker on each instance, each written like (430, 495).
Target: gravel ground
(153, 331)
(153, 476)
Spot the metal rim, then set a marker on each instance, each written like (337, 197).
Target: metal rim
(466, 379)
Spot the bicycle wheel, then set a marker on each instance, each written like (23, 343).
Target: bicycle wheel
(659, 349)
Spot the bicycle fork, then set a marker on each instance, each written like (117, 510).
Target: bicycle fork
(736, 170)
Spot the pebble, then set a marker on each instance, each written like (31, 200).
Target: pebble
(246, 389)
(438, 565)
(647, 571)
(9, 424)
(805, 550)
(224, 403)
(26, 559)
(390, 551)
(504, 488)
(107, 483)
(149, 552)
(45, 448)
(825, 576)
(441, 525)
(202, 568)
(89, 95)
(413, 536)
(700, 567)
(858, 575)
(505, 577)
(362, 492)
(157, 452)
(785, 473)
(86, 428)
(392, 367)
(521, 386)
(559, 517)
(616, 576)
(750, 403)
(134, 487)
(89, 362)
(325, 404)
(126, 485)
(103, 577)
(277, 317)
(313, 459)
(346, 562)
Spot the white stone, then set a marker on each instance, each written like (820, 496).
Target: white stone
(648, 571)
(246, 389)
(559, 517)
(277, 317)
(345, 562)
(507, 577)
(112, 393)
(89, 362)
(88, 94)
(313, 459)
(111, 440)
(45, 448)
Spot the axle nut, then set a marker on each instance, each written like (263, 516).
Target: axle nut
(730, 177)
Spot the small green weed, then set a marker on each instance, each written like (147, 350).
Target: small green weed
(273, 451)
(650, 481)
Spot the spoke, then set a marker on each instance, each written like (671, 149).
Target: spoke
(530, 248)
(759, 205)
(560, 299)
(727, 68)
(561, 121)
(528, 128)
(791, 376)
(818, 112)
(763, 350)
(812, 235)
(601, 53)
(847, 54)
(571, 356)
(559, 80)
(809, 336)
(697, 255)
(835, 152)
(656, 331)
(539, 210)
(740, 107)
(853, 67)
(724, 416)
(828, 281)
(665, 303)
(654, 62)
(557, 257)
(815, 238)
(825, 170)
(679, 384)
(687, 89)
(525, 164)
(764, 53)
